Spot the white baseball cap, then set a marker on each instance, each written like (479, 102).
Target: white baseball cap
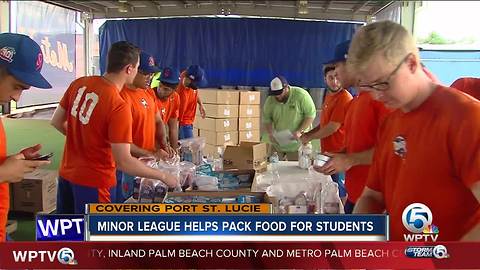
(277, 85)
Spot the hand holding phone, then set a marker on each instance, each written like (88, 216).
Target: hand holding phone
(43, 157)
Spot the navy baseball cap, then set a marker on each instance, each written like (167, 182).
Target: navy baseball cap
(197, 75)
(170, 76)
(23, 59)
(147, 63)
(277, 85)
(341, 53)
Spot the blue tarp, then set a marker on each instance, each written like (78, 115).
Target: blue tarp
(234, 51)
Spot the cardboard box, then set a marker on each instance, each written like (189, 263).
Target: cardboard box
(248, 124)
(249, 111)
(248, 155)
(216, 96)
(213, 150)
(220, 111)
(218, 125)
(220, 138)
(250, 97)
(249, 136)
(37, 192)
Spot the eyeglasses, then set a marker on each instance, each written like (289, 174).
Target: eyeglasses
(383, 86)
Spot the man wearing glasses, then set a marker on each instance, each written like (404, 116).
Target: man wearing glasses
(428, 149)
(361, 124)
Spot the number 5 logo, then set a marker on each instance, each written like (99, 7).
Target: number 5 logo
(84, 114)
(416, 217)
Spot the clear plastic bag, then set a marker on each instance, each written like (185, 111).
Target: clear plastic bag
(151, 190)
(305, 155)
(192, 150)
(187, 174)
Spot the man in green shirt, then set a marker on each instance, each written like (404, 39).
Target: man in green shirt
(288, 109)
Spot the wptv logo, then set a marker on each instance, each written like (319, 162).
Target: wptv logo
(60, 228)
(417, 218)
(64, 256)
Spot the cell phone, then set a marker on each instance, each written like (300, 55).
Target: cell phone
(43, 157)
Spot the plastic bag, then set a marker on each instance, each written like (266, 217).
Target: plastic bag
(192, 150)
(187, 174)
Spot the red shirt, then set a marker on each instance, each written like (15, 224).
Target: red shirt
(144, 110)
(363, 118)
(4, 189)
(431, 155)
(188, 103)
(334, 109)
(169, 107)
(470, 86)
(96, 117)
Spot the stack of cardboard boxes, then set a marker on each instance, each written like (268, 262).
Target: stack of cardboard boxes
(232, 116)
(220, 126)
(249, 117)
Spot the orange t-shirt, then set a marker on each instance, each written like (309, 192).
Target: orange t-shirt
(188, 103)
(96, 117)
(334, 109)
(142, 105)
(362, 120)
(470, 86)
(431, 155)
(4, 189)
(169, 107)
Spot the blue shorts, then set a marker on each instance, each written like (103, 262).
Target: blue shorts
(124, 188)
(185, 132)
(71, 198)
(339, 178)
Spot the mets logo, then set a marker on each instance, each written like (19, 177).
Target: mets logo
(400, 146)
(39, 63)
(151, 62)
(192, 77)
(7, 53)
(144, 103)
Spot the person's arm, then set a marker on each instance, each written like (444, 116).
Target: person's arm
(309, 112)
(474, 233)
(343, 162)
(173, 132)
(306, 123)
(130, 165)
(200, 107)
(139, 152)
(321, 133)
(164, 150)
(269, 129)
(16, 166)
(371, 202)
(160, 132)
(59, 120)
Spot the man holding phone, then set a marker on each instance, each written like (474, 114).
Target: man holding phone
(21, 61)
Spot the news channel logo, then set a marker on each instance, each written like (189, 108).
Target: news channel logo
(437, 252)
(60, 227)
(66, 256)
(417, 218)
